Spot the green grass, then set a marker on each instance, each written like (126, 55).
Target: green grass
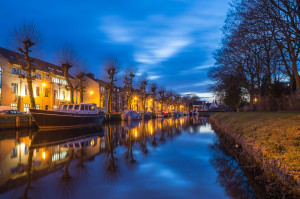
(276, 134)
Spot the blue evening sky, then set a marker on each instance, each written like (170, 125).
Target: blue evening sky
(171, 40)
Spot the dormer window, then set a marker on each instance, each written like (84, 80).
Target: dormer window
(16, 71)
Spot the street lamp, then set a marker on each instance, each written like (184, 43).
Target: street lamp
(255, 100)
(91, 93)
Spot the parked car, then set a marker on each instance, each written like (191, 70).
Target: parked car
(10, 112)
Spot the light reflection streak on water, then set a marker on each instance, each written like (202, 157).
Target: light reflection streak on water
(173, 152)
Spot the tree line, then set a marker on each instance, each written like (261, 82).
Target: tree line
(257, 62)
(27, 38)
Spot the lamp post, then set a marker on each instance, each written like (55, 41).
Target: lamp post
(43, 85)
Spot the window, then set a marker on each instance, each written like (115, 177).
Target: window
(92, 108)
(37, 76)
(64, 95)
(14, 153)
(26, 107)
(47, 92)
(64, 82)
(56, 94)
(86, 108)
(65, 107)
(37, 106)
(1, 70)
(16, 71)
(14, 106)
(102, 89)
(14, 88)
(37, 92)
(76, 107)
(26, 89)
(55, 80)
(70, 107)
(54, 107)
(24, 73)
(47, 76)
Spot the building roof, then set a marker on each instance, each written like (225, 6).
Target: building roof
(17, 58)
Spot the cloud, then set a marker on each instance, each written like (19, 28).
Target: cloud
(202, 67)
(153, 77)
(116, 30)
(204, 96)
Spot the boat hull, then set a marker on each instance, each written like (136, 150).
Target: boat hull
(62, 120)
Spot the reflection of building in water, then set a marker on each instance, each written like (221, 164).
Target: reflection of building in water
(14, 155)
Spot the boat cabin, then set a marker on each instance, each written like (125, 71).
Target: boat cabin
(83, 108)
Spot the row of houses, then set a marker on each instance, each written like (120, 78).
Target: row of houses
(50, 87)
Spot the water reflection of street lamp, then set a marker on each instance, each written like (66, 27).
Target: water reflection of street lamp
(43, 85)
(137, 106)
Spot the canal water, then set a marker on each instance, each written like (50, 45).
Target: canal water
(161, 158)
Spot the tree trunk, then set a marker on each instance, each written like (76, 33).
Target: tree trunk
(81, 89)
(69, 85)
(109, 101)
(30, 90)
(296, 74)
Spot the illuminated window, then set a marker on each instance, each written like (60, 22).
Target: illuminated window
(37, 106)
(63, 82)
(26, 108)
(14, 106)
(55, 80)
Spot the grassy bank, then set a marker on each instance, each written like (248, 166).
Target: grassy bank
(273, 139)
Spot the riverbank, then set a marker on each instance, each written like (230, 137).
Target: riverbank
(272, 139)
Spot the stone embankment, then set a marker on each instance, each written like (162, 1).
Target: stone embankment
(271, 139)
(16, 121)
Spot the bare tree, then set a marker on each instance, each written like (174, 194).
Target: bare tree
(153, 88)
(26, 37)
(142, 90)
(111, 69)
(67, 59)
(162, 97)
(79, 71)
(128, 81)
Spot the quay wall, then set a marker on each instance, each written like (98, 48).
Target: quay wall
(15, 121)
